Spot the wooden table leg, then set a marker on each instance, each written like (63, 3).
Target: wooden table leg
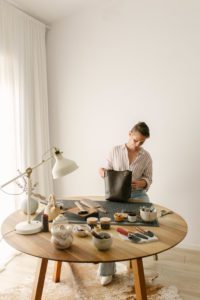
(139, 279)
(39, 279)
(155, 256)
(57, 271)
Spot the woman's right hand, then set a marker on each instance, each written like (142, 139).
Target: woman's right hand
(102, 172)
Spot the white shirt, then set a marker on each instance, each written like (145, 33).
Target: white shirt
(141, 167)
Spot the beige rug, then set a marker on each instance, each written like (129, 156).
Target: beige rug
(79, 282)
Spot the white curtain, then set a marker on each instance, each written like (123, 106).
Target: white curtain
(24, 126)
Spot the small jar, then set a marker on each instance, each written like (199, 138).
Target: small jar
(61, 231)
(105, 222)
(45, 222)
(92, 221)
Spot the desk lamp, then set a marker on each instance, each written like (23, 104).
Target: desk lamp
(61, 168)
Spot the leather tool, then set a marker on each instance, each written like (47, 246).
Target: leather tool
(131, 235)
(146, 232)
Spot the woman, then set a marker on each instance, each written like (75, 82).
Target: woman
(130, 156)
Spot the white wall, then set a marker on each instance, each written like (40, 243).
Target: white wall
(124, 62)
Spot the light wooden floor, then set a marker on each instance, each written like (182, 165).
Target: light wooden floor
(177, 267)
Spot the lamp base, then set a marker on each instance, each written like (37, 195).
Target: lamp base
(28, 228)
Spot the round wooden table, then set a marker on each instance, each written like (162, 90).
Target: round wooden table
(171, 231)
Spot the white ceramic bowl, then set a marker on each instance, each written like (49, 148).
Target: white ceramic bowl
(82, 230)
(148, 216)
(103, 244)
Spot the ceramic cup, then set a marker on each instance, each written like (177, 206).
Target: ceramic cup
(132, 217)
(104, 243)
(148, 216)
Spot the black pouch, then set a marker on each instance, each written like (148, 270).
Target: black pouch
(118, 185)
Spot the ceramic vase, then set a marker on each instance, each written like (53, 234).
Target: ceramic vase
(33, 205)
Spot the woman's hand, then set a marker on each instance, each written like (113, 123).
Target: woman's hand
(102, 172)
(139, 184)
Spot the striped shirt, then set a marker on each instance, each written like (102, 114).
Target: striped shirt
(141, 167)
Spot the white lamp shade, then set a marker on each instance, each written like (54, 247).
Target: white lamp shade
(62, 166)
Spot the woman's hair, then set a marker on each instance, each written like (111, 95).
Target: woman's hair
(142, 128)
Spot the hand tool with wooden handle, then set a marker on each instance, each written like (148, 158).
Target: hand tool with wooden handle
(92, 204)
(82, 210)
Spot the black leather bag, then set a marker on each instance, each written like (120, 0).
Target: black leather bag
(118, 185)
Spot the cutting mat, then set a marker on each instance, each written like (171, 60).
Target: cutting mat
(70, 212)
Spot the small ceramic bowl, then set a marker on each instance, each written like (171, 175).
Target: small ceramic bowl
(104, 243)
(148, 216)
(82, 230)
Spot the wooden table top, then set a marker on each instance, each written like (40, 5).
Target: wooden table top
(172, 231)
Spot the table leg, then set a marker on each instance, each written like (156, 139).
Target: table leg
(39, 279)
(139, 279)
(57, 271)
(155, 256)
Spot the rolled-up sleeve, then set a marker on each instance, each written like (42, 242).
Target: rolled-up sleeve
(148, 173)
